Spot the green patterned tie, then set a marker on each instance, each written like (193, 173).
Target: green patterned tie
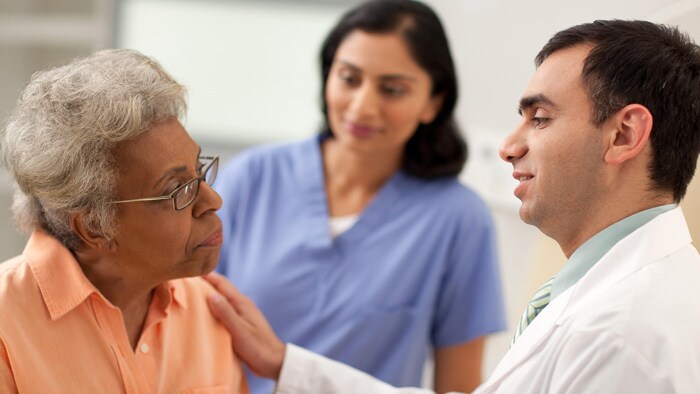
(538, 302)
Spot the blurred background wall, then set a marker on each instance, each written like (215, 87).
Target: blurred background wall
(252, 73)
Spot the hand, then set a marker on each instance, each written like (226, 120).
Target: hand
(253, 339)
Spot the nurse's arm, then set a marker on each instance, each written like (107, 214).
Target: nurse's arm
(296, 370)
(458, 367)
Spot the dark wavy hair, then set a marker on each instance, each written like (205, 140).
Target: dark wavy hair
(436, 149)
(656, 66)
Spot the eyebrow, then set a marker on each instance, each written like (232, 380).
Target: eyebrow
(174, 170)
(402, 77)
(534, 100)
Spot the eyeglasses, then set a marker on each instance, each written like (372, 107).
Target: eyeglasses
(185, 194)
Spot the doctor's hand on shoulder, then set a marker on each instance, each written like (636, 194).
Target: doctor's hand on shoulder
(252, 338)
(296, 370)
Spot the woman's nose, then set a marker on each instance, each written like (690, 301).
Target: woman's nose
(207, 200)
(365, 101)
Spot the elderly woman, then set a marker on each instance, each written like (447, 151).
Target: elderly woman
(117, 198)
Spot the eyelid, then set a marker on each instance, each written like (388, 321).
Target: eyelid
(172, 186)
(181, 178)
(527, 112)
(348, 77)
(394, 90)
(540, 121)
(344, 70)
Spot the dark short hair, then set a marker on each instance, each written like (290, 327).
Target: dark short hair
(436, 149)
(657, 66)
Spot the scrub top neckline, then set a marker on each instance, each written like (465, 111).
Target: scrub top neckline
(317, 201)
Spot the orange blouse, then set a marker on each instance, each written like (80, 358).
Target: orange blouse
(58, 334)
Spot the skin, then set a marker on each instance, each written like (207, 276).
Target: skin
(577, 178)
(377, 96)
(153, 243)
(458, 368)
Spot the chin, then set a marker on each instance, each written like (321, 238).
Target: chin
(207, 266)
(210, 267)
(199, 267)
(527, 215)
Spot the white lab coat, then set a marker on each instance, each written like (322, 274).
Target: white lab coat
(630, 325)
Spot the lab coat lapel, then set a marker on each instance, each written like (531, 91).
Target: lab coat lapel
(531, 340)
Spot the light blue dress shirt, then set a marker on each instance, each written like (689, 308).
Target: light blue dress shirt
(585, 257)
(417, 270)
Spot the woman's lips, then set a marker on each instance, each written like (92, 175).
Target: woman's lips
(360, 130)
(214, 240)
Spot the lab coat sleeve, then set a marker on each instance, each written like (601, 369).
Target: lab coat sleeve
(600, 362)
(304, 372)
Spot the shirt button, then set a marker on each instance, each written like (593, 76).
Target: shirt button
(144, 348)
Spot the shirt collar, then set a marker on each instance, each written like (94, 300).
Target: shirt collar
(175, 291)
(63, 284)
(597, 246)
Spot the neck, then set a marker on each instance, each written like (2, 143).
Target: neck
(607, 215)
(352, 178)
(133, 299)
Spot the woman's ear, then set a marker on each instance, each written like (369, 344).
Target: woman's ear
(91, 239)
(631, 127)
(432, 109)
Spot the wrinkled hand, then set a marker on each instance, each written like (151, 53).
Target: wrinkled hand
(253, 339)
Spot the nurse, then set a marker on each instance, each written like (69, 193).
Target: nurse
(359, 243)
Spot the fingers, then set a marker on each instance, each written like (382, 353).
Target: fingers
(226, 313)
(223, 285)
(217, 280)
(253, 339)
(242, 304)
(243, 307)
(227, 289)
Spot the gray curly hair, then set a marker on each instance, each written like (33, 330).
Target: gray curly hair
(60, 140)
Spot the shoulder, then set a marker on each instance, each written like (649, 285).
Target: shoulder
(656, 291)
(267, 171)
(193, 289)
(194, 331)
(268, 156)
(601, 361)
(649, 311)
(14, 275)
(448, 190)
(450, 199)
(636, 303)
(7, 267)
(190, 296)
(18, 289)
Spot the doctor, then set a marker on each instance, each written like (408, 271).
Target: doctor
(607, 144)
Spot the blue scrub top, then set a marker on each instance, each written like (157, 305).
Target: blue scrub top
(418, 269)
